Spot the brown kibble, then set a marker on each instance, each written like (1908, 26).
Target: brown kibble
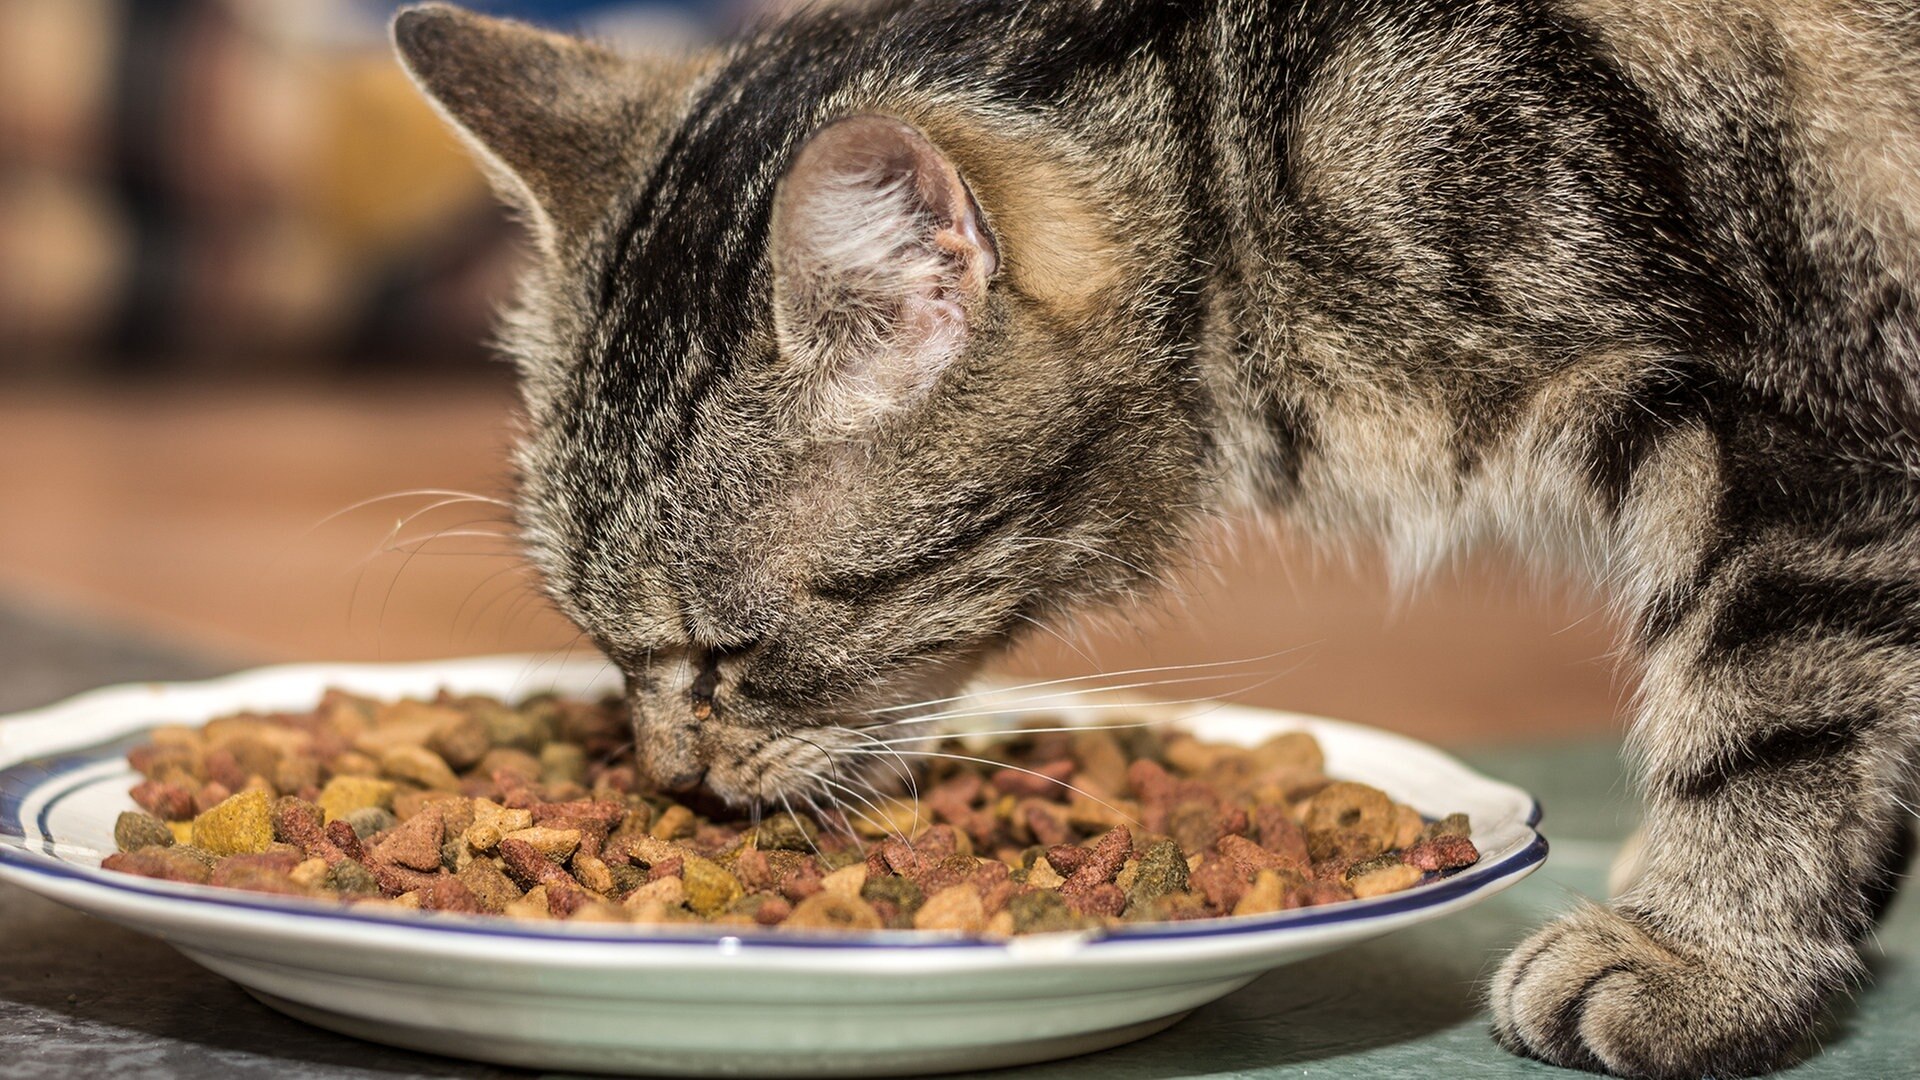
(527, 865)
(1451, 825)
(1047, 782)
(491, 888)
(414, 844)
(168, 802)
(1104, 899)
(829, 910)
(1045, 822)
(163, 863)
(1277, 832)
(1442, 853)
(461, 741)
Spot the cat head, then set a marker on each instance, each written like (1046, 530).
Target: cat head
(833, 388)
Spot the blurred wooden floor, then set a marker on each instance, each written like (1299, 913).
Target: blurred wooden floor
(197, 512)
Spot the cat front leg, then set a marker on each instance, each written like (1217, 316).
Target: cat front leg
(1776, 728)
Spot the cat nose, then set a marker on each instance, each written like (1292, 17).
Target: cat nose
(685, 780)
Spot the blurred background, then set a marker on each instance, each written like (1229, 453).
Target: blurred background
(247, 413)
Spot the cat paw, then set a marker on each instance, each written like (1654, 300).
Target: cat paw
(1592, 991)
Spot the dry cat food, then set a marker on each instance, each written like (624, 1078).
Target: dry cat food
(465, 804)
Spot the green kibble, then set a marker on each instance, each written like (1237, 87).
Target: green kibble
(1451, 825)
(1041, 911)
(1162, 869)
(785, 832)
(1367, 866)
(904, 893)
(134, 830)
(199, 853)
(350, 878)
(626, 877)
(834, 860)
(369, 820)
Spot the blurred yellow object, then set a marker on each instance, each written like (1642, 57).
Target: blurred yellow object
(386, 169)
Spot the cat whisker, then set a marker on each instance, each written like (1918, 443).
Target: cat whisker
(1072, 679)
(1143, 703)
(1074, 788)
(452, 496)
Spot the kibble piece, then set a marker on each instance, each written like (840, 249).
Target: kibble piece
(1162, 869)
(562, 763)
(834, 911)
(345, 794)
(555, 844)
(1042, 912)
(1383, 880)
(133, 830)
(164, 863)
(668, 891)
(954, 908)
(1344, 806)
(239, 825)
(414, 843)
(676, 822)
(310, 874)
(534, 905)
(369, 820)
(710, 889)
(847, 881)
(420, 765)
(785, 832)
(1444, 852)
(490, 886)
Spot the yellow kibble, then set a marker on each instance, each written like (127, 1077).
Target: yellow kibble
(710, 889)
(1387, 879)
(241, 824)
(847, 881)
(677, 821)
(345, 794)
(555, 844)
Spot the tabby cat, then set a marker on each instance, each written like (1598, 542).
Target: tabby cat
(860, 345)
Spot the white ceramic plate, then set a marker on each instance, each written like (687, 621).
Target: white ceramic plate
(641, 1000)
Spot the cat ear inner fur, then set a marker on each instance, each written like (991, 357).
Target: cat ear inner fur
(882, 260)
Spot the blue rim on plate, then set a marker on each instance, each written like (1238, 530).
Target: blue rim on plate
(21, 781)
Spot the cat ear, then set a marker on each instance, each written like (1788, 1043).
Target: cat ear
(881, 260)
(557, 122)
